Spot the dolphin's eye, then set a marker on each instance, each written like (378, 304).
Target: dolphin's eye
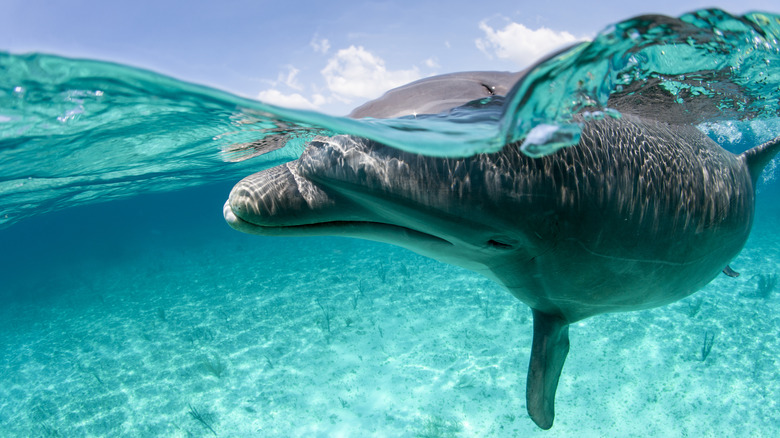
(498, 245)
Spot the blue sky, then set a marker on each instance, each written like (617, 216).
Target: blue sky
(329, 56)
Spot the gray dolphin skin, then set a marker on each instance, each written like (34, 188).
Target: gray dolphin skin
(438, 93)
(639, 214)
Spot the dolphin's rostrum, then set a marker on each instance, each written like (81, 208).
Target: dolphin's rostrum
(638, 214)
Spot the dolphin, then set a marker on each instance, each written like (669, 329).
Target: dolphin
(640, 213)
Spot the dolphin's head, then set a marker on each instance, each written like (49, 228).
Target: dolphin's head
(453, 210)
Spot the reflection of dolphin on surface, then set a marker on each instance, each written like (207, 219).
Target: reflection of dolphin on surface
(639, 214)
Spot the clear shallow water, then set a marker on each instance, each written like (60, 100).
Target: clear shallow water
(116, 333)
(119, 318)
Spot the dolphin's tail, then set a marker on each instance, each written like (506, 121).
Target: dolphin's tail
(548, 353)
(758, 157)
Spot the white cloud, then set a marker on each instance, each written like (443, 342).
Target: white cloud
(320, 45)
(294, 100)
(291, 78)
(351, 74)
(355, 72)
(521, 44)
(431, 63)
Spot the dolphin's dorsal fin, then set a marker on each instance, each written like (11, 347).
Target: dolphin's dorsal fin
(758, 157)
(548, 353)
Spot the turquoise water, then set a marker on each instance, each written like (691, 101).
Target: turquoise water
(130, 309)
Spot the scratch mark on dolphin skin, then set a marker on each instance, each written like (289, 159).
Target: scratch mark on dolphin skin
(628, 259)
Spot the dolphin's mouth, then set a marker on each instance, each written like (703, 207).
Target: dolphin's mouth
(279, 202)
(371, 230)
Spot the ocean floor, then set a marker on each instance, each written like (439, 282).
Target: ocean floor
(149, 328)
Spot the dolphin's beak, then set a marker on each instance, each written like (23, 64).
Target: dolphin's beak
(279, 201)
(234, 221)
(282, 202)
(275, 197)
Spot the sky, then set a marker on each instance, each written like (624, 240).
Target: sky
(328, 56)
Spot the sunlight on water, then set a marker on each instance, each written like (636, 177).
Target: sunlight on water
(78, 131)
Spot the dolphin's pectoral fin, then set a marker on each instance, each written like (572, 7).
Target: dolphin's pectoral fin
(730, 272)
(548, 353)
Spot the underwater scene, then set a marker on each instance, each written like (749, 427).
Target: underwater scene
(129, 307)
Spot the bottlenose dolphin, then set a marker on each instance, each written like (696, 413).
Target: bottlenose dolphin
(638, 214)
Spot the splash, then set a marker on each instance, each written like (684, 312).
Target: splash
(79, 131)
